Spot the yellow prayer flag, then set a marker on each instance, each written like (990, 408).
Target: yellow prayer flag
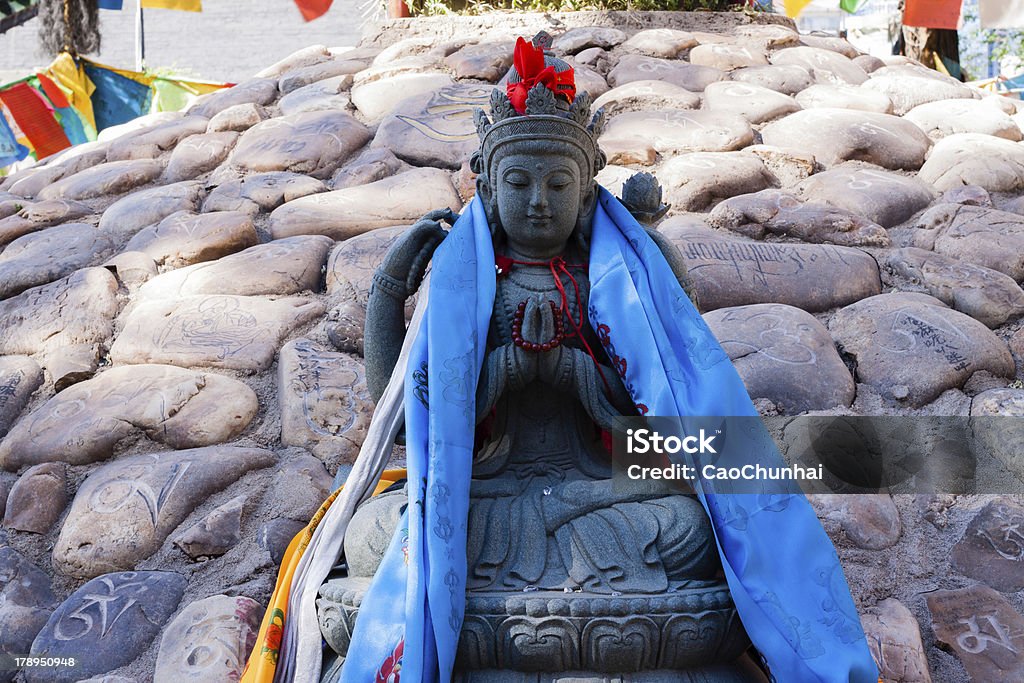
(183, 5)
(795, 7)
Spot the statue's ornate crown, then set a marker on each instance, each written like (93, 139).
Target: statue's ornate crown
(539, 103)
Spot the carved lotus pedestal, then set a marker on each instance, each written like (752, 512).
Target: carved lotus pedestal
(689, 634)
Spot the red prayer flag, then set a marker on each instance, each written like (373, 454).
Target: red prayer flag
(311, 9)
(932, 13)
(55, 94)
(35, 119)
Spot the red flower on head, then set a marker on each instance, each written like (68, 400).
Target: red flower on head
(528, 60)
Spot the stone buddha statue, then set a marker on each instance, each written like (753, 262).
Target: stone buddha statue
(565, 572)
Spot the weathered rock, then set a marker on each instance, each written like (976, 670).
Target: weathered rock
(986, 237)
(982, 629)
(789, 166)
(660, 42)
(341, 214)
(781, 213)
(184, 238)
(945, 117)
(106, 623)
(825, 65)
(777, 350)
(42, 257)
(576, 39)
(975, 159)
(150, 143)
(178, 407)
(869, 63)
(239, 118)
(216, 533)
(131, 267)
(375, 99)
(989, 550)
(998, 436)
(727, 57)
(755, 103)
(328, 94)
(325, 405)
(870, 521)
(912, 347)
(275, 535)
(984, 294)
(286, 266)
(330, 68)
(485, 61)
(208, 641)
(692, 182)
(435, 128)
(840, 45)
(125, 510)
(128, 215)
(111, 178)
(588, 80)
(300, 487)
(773, 36)
(38, 499)
(646, 95)
(30, 181)
(908, 91)
(638, 136)
(882, 197)
(261, 191)
(836, 96)
(369, 166)
(895, 641)
(307, 56)
(383, 69)
(730, 272)
(136, 125)
(837, 135)
(26, 602)
(314, 143)
(260, 91)
(971, 195)
(592, 57)
(198, 154)
(345, 327)
(19, 378)
(350, 266)
(39, 215)
(638, 68)
(788, 79)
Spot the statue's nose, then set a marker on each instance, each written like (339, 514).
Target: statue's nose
(539, 201)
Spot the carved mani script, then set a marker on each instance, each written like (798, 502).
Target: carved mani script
(101, 610)
(130, 482)
(909, 330)
(320, 379)
(448, 116)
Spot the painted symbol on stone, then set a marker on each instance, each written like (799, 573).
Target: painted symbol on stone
(118, 492)
(975, 640)
(909, 330)
(448, 110)
(8, 388)
(1008, 539)
(101, 609)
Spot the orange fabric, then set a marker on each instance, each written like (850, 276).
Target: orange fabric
(932, 13)
(313, 9)
(263, 658)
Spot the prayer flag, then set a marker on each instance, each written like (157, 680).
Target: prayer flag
(35, 118)
(932, 13)
(312, 9)
(55, 94)
(117, 98)
(182, 5)
(1002, 13)
(795, 7)
(851, 6)
(10, 149)
(110, 4)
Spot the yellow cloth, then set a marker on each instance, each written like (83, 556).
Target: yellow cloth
(263, 658)
(183, 5)
(71, 79)
(795, 7)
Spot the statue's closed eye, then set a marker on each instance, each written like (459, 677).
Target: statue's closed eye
(517, 179)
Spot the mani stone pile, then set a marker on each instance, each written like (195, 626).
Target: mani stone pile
(182, 303)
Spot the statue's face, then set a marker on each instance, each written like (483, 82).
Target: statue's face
(538, 195)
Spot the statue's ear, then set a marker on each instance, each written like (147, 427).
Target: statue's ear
(588, 204)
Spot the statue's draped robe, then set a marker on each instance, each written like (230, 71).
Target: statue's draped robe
(782, 570)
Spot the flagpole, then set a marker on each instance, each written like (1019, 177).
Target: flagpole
(140, 39)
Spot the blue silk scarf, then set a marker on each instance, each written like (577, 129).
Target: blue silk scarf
(781, 568)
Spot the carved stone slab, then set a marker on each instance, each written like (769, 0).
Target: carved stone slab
(788, 79)
(837, 135)
(185, 238)
(880, 196)
(26, 602)
(125, 510)
(907, 90)
(178, 407)
(755, 103)
(111, 178)
(209, 640)
(199, 154)
(375, 99)
(314, 143)
(151, 142)
(127, 216)
(50, 254)
(694, 181)
(660, 42)
(982, 629)
(328, 94)
(106, 623)
(239, 117)
(911, 346)
(435, 128)
(975, 159)
(351, 263)
(824, 65)
(946, 117)
(636, 137)
(731, 272)
(992, 547)
(895, 641)
(286, 266)
(984, 294)
(485, 61)
(325, 405)
(834, 96)
(576, 39)
(646, 95)
(976, 234)
(783, 354)
(19, 378)
(638, 68)
(726, 56)
(396, 200)
(254, 91)
(237, 332)
(32, 217)
(329, 68)
(38, 499)
(265, 191)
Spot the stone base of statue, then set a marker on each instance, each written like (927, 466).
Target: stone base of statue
(689, 633)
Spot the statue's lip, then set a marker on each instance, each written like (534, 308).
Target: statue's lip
(538, 218)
